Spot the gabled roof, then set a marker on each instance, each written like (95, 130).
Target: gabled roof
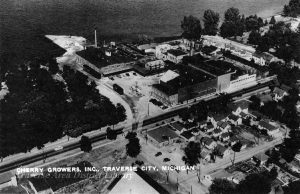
(204, 154)
(225, 135)
(177, 125)
(233, 117)
(267, 125)
(261, 157)
(243, 114)
(139, 182)
(217, 131)
(243, 104)
(279, 91)
(220, 149)
(207, 141)
(217, 117)
(210, 126)
(222, 124)
(168, 76)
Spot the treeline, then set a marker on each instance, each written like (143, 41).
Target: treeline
(40, 109)
(234, 24)
(292, 9)
(279, 37)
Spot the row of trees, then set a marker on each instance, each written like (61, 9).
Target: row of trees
(292, 9)
(279, 37)
(234, 24)
(40, 109)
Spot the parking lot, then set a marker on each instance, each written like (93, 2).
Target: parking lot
(138, 89)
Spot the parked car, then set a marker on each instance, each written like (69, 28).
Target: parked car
(158, 154)
(58, 148)
(166, 159)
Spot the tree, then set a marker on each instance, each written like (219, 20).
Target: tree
(292, 188)
(85, 144)
(253, 23)
(111, 134)
(254, 37)
(255, 103)
(236, 148)
(272, 21)
(191, 27)
(233, 23)
(273, 173)
(133, 147)
(192, 153)
(292, 9)
(255, 183)
(211, 21)
(222, 186)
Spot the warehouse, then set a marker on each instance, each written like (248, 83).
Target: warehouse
(183, 84)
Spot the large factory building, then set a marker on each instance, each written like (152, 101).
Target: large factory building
(183, 83)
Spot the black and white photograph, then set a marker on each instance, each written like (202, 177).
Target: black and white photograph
(150, 96)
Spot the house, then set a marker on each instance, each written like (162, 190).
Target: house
(234, 119)
(262, 58)
(244, 144)
(237, 177)
(239, 106)
(132, 182)
(233, 140)
(205, 155)
(202, 124)
(279, 94)
(39, 185)
(179, 127)
(271, 129)
(208, 143)
(243, 115)
(260, 158)
(210, 128)
(222, 151)
(215, 118)
(188, 136)
(224, 126)
(217, 132)
(225, 137)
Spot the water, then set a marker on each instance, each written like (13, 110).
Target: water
(22, 22)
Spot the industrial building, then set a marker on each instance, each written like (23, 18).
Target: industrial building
(162, 136)
(183, 83)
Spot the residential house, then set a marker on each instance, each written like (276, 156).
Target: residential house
(244, 144)
(210, 128)
(237, 177)
(260, 158)
(224, 126)
(222, 151)
(279, 94)
(243, 115)
(233, 140)
(202, 124)
(234, 119)
(271, 129)
(215, 118)
(240, 106)
(225, 137)
(217, 132)
(262, 58)
(208, 143)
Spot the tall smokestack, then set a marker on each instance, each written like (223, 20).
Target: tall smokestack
(95, 37)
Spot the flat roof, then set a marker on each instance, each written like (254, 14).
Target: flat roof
(176, 52)
(97, 57)
(162, 134)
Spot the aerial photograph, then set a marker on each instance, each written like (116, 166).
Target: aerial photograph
(150, 96)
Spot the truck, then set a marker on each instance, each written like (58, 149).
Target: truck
(118, 89)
